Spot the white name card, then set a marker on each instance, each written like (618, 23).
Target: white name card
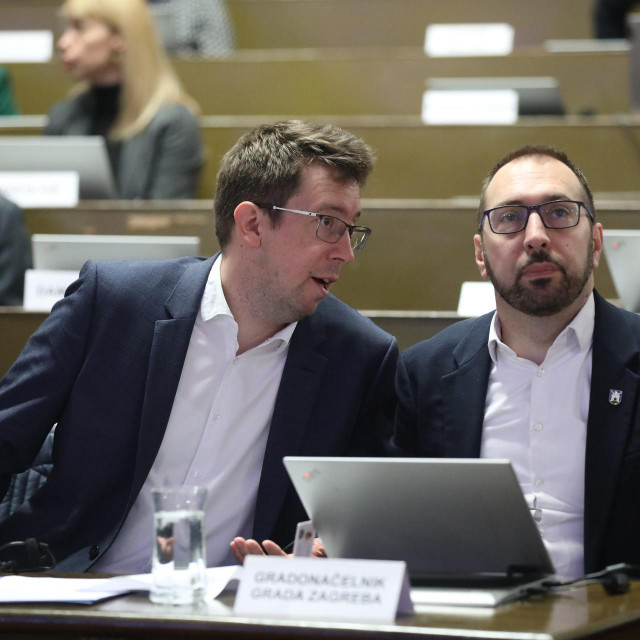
(476, 298)
(34, 189)
(489, 39)
(26, 46)
(450, 106)
(44, 287)
(319, 589)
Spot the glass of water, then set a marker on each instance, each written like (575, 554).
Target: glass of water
(179, 561)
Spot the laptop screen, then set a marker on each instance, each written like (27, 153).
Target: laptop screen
(443, 517)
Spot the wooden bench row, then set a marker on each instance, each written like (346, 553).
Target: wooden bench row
(341, 82)
(356, 23)
(418, 256)
(417, 161)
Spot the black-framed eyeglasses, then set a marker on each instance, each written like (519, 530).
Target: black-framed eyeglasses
(330, 229)
(513, 218)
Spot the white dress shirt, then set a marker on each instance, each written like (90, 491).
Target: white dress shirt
(536, 416)
(216, 435)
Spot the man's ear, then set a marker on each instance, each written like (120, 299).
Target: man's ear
(596, 233)
(477, 243)
(249, 219)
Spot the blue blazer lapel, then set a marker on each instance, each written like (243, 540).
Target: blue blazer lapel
(299, 388)
(464, 392)
(614, 348)
(170, 342)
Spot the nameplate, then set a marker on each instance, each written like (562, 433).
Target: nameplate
(44, 287)
(450, 40)
(450, 106)
(26, 46)
(476, 298)
(34, 189)
(323, 589)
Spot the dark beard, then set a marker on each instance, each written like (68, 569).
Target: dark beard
(541, 298)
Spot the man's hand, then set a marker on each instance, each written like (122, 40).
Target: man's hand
(242, 548)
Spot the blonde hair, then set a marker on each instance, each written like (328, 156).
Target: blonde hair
(148, 81)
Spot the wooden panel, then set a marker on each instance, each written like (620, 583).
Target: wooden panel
(418, 256)
(417, 161)
(371, 82)
(357, 23)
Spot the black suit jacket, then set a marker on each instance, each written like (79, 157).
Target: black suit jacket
(105, 366)
(442, 386)
(15, 253)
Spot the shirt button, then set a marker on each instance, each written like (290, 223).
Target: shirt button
(541, 372)
(538, 427)
(217, 418)
(94, 552)
(197, 474)
(235, 361)
(538, 482)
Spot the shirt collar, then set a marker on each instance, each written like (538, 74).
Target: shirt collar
(214, 304)
(580, 328)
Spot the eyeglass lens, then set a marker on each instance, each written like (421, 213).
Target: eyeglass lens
(331, 229)
(555, 215)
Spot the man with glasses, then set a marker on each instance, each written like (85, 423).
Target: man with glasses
(206, 372)
(550, 380)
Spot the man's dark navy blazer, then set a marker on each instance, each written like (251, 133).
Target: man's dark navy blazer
(442, 386)
(105, 366)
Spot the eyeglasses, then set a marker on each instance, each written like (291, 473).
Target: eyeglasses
(330, 229)
(557, 214)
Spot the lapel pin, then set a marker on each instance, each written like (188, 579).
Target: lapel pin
(615, 396)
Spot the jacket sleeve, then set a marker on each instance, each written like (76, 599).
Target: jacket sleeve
(15, 253)
(34, 391)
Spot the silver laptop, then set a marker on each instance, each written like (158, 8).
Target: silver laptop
(537, 95)
(462, 525)
(67, 251)
(86, 155)
(622, 251)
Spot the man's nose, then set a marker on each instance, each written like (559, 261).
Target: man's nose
(536, 235)
(343, 250)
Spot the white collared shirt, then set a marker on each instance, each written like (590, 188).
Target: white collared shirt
(216, 435)
(536, 416)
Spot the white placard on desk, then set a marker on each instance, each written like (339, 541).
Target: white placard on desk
(489, 39)
(32, 189)
(314, 589)
(44, 287)
(493, 106)
(26, 46)
(476, 298)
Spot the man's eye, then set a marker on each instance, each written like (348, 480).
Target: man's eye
(326, 221)
(559, 212)
(508, 216)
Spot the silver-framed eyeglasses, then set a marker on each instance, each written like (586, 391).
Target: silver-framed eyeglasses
(556, 214)
(330, 229)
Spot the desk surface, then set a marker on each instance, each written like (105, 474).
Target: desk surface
(581, 613)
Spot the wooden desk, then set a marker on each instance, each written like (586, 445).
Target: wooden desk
(419, 254)
(356, 23)
(372, 81)
(582, 613)
(418, 161)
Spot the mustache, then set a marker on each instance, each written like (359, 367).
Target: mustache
(541, 256)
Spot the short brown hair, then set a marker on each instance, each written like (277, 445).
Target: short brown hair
(537, 150)
(265, 166)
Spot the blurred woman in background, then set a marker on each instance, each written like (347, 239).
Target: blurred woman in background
(129, 94)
